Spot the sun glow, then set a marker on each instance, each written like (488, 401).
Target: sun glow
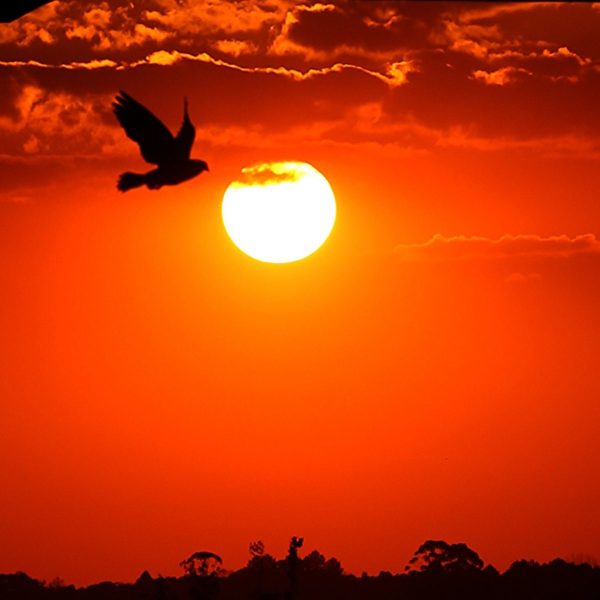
(279, 212)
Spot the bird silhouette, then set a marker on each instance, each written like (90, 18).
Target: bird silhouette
(171, 154)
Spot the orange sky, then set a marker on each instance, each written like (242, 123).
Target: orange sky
(431, 372)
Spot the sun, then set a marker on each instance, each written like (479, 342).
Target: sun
(279, 212)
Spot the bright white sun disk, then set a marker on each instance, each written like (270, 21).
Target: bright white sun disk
(279, 212)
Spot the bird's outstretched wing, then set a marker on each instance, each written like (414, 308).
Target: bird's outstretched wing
(186, 135)
(155, 140)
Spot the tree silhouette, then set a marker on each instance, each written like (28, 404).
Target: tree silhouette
(256, 548)
(440, 556)
(316, 562)
(438, 571)
(292, 562)
(295, 545)
(202, 564)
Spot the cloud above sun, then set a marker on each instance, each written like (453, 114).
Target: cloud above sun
(409, 48)
(400, 79)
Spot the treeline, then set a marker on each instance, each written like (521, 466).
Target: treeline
(437, 571)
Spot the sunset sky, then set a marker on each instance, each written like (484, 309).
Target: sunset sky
(430, 372)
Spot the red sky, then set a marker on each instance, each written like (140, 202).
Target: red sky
(431, 372)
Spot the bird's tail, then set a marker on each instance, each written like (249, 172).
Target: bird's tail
(128, 181)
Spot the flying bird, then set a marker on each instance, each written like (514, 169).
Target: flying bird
(171, 154)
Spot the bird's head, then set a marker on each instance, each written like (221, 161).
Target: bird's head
(199, 166)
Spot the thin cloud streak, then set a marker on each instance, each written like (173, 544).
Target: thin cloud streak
(464, 247)
(396, 74)
(91, 65)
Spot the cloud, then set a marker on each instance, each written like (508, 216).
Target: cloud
(70, 27)
(488, 45)
(59, 123)
(371, 122)
(502, 36)
(462, 247)
(34, 26)
(409, 93)
(548, 63)
(564, 52)
(138, 35)
(264, 174)
(379, 32)
(235, 47)
(90, 65)
(385, 39)
(478, 41)
(395, 74)
(209, 17)
(491, 12)
(92, 23)
(501, 76)
(365, 119)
